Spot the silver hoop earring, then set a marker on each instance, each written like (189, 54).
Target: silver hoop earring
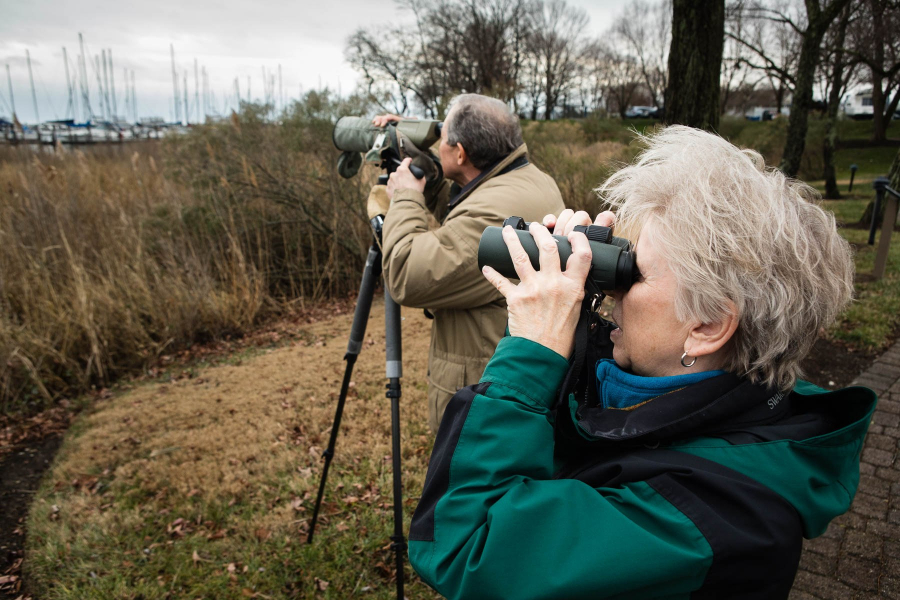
(689, 365)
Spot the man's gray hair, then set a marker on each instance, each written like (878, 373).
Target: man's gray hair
(734, 232)
(485, 127)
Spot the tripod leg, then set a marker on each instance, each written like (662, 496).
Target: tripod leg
(371, 272)
(394, 372)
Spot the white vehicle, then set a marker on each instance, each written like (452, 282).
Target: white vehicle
(858, 105)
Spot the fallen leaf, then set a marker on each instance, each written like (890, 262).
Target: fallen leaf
(321, 584)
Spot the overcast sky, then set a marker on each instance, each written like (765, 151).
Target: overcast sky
(230, 38)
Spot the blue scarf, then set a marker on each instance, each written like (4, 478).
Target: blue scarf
(619, 389)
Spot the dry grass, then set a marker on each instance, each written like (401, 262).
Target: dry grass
(562, 150)
(112, 257)
(159, 490)
(100, 273)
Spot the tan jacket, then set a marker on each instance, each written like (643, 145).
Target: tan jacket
(438, 269)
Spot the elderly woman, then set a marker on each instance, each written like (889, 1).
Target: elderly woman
(699, 461)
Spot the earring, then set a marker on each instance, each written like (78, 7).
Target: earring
(690, 364)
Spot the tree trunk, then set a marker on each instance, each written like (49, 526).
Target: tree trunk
(828, 148)
(695, 63)
(834, 99)
(819, 19)
(879, 123)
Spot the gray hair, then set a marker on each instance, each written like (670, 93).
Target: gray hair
(733, 231)
(485, 127)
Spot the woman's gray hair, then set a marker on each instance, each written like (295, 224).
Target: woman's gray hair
(733, 231)
(485, 127)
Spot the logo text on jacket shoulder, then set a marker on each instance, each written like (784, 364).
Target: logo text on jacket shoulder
(774, 400)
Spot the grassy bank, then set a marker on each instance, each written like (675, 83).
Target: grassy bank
(203, 487)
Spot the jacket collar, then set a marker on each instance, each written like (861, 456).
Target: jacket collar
(504, 165)
(714, 404)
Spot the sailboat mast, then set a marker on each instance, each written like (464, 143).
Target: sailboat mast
(37, 115)
(70, 109)
(12, 98)
(175, 85)
(196, 89)
(99, 85)
(112, 83)
(85, 88)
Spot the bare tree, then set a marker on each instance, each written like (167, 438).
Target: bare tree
(771, 37)
(454, 46)
(838, 70)
(556, 34)
(592, 76)
(819, 16)
(646, 30)
(622, 78)
(874, 41)
(739, 79)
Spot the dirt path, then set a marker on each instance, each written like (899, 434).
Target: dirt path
(20, 475)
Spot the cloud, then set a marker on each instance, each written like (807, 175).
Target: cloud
(15, 61)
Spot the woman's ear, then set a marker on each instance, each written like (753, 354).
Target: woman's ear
(705, 339)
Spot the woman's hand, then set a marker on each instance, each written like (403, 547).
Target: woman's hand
(544, 307)
(568, 219)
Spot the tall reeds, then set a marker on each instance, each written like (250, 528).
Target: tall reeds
(111, 257)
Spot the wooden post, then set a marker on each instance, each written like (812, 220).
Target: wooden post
(887, 225)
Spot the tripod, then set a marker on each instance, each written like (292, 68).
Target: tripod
(394, 368)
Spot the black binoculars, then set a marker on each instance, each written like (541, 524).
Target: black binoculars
(613, 264)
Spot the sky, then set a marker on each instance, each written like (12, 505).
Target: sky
(230, 39)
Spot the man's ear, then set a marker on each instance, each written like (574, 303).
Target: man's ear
(705, 339)
(461, 157)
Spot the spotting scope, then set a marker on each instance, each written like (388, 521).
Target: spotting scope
(613, 265)
(383, 147)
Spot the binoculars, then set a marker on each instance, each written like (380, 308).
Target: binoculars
(613, 265)
(357, 136)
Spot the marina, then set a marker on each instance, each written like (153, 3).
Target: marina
(93, 115)
(71, 133)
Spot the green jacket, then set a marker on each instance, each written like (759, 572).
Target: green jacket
(437, 268)
(705, 492)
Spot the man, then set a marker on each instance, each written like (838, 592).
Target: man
(483, 155)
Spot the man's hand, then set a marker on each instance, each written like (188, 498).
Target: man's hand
(384, 120)
(568, 219)
(403, 179)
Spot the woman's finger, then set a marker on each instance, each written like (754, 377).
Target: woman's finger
(561, 221)
(549, 222)
(548, 251)
(605, 219)
(503, 285)
(579, 218)
(520, 260)
(579, 264)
